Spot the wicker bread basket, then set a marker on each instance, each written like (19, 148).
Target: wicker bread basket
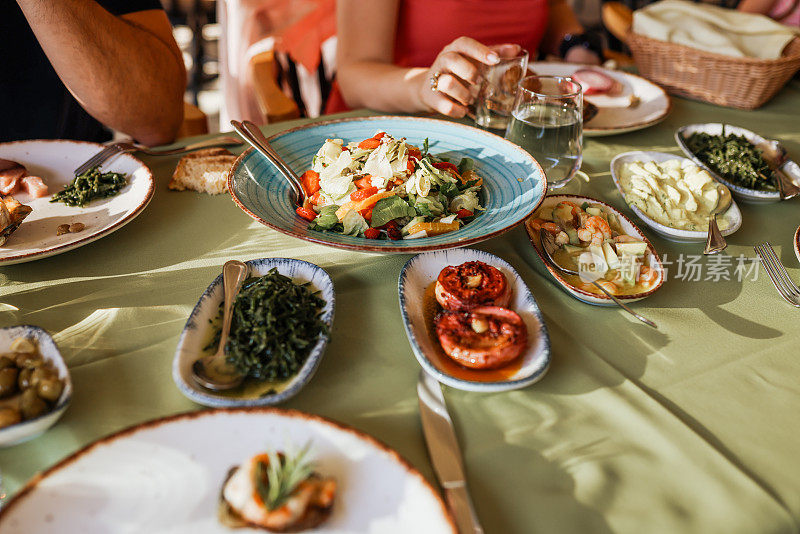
(744, 83)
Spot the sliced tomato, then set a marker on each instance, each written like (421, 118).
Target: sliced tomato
(447, 166)
(361, 194)
(410, 165)
(372, 233)
(306, 213)
(314, 199)
(363, 183)
(379, 135)
(486, 337)
(463, 214)
(414, 152)
(367, 214)
(369, 143)
(310, 181)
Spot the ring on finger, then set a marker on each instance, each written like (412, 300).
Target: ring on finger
(435, 81)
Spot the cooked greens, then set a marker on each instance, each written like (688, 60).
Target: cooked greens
(90, 186)
(275, 325)
(735, 159)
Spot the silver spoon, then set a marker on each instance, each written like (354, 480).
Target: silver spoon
(214, 372)
(777, 158)
(252, 134)
(715, 242)
(547, 239)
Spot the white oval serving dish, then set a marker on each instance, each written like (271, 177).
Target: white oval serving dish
(197, 333)
(627, 225)
(417, 276)
(11, 435)
(733, 214)
(744, 193)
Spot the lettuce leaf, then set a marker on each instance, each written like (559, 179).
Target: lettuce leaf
(354, 223)
(390, 208)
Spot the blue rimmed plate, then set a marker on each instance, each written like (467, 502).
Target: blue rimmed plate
(197, 334)
(417, 306)
(514, 183)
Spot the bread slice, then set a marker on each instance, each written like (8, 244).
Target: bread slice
(205, 171)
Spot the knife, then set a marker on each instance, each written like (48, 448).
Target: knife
(440, 437)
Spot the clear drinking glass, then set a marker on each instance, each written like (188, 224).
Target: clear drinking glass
(497, 91)
(547, 121)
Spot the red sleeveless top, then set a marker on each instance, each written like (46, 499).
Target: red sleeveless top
(424, 27)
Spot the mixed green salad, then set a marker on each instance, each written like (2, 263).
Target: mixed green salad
(385, 188)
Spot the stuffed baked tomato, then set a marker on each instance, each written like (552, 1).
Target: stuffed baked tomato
(471, 284)
(485, 337)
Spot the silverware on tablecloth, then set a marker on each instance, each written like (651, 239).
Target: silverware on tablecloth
(445, 453)
(214, 372)
(546, 239)
(253, 135)
(777, 273)
(114, 149)
(715, 241)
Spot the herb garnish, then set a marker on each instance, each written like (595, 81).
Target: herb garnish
(735, 159)
(276, 480)
(275, 325)
(90, 186)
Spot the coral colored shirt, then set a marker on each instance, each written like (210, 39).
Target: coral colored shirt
(426, 26)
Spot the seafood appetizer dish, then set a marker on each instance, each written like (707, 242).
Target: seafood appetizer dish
(591, 241)
(384, 188)
(14, 178)
(277, 492)
(474, 327)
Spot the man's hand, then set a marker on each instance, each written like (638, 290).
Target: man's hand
(126, 71)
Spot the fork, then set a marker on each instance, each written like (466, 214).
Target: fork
(777, 273)
(113, 150)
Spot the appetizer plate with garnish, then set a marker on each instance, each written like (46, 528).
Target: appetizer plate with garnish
(34, 173)
(625, 102)
(672, 195)
(30, 404)
(186, 473)
(472, 322)
(596, 239)
(391, 184)
(737, 157)
(277, 359)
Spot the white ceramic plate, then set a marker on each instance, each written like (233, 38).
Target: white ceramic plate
(733, 215)
(792, 169)
(417, 276)
(55, 162)
(630, 229)
(165, 476)
(11, 435)
(615, 115)
(197, 334)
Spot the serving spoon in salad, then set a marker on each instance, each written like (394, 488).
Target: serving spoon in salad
(214, 372)
(548, 244)
(253, 135)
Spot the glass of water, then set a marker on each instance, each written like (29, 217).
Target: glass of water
(547, 121)
(498, 89)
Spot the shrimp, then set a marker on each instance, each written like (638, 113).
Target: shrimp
(625, 239)
(595, 230)
(562, 238)
(611, 287)
(647, 276)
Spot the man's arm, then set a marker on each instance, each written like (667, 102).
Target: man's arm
(126, 71)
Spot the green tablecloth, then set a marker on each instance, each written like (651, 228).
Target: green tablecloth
(691, 428)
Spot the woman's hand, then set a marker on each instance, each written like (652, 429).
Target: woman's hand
(451, 83)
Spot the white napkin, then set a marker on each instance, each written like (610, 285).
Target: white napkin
(714, 29)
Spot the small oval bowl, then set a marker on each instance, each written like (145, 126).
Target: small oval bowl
(417, 276)
(11, 435)
(746, 194)
(630, 228)
(732, 214)
(197, 333)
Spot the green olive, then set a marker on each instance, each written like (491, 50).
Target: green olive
(24, 380)
(8, 381)
(49, 389)
(9, 416)
(5, 361)
(43, 373)
(31, 405)
(29, 360)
